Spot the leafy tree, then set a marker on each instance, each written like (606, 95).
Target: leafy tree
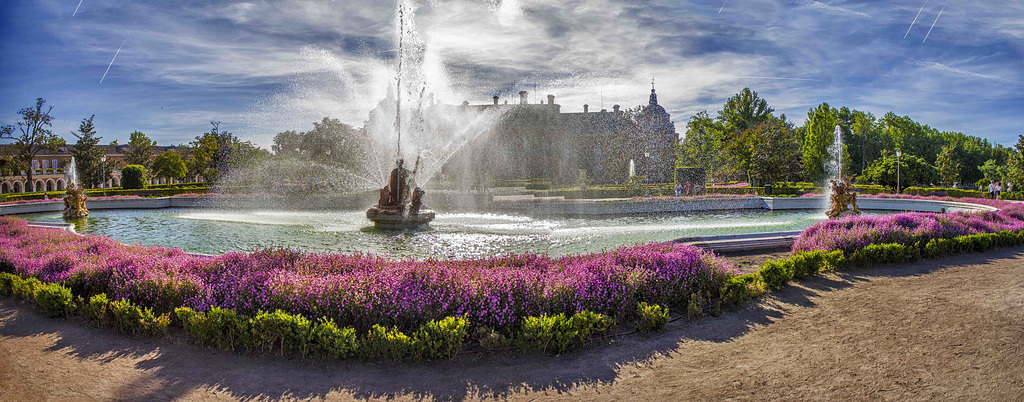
(744, 111)
(1015, 171)
(142, 150)
(820, 126)
(88, 155)
(32, 135)
(741, 113)
(133, 177)
(169, 165)
(288, 143)
(774, 151)
(913, 170)
(702, 145)
(948, 167)
(994, 171)
(216, 153)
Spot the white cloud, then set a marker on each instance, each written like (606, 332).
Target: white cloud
(835, 9)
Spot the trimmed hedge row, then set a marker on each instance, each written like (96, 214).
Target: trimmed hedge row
(945, 192)
(774, 275)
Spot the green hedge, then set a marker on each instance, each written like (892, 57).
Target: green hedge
(943, 191)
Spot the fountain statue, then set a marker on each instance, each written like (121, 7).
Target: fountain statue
(74, 195)
(395, 208)
(841, 197)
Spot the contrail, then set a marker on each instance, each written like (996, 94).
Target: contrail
(915, 19)
(723, 7)
(76, 8)
(933, 24)
(115, 56)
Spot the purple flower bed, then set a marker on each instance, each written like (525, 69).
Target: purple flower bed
(970, 200)
(856, 232)
(362, 290)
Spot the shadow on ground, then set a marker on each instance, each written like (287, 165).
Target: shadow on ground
(173, 370)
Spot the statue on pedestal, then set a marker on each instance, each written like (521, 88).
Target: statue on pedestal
(74, 202)
(395, 208)
(842, 196)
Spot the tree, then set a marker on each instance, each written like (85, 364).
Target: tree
(820, 126)
(1015, 171)
(88, 155)
(288, 143)
(948, 167)
(994, 171)
(133, 177)
(702, 145)
(142, 150)
(169, 165)
(216, 153)
(774, 151)
(32, 135)
(913, 170)
(744, 111)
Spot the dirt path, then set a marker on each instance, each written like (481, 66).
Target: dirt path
(948, 329)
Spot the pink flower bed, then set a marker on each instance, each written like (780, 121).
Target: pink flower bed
(362, 290)
(856, 232)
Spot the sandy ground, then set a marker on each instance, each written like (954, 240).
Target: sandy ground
(947, 329)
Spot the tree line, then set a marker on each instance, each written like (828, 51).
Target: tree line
(746, 141)
(210, 155)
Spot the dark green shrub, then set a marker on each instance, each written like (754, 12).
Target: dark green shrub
(492, 340)
(695, 308)
(55, 300)
(130, 319)
(740, 288)
(885, 253)
(653, 317)
(126, 316)
(386, 343)
(329, 340)
(7, 281)
(775, 274)
(441, 339)
(98, 310)
(133, 177)
(25, 289)
(290, 332)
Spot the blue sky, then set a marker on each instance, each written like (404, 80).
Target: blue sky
(261, 67)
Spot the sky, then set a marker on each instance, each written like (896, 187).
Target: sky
(169, 67)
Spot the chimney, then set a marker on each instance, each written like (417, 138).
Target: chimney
(522, 97)
(586, 108)
(495, 101)
(615, 108)
(551, 99)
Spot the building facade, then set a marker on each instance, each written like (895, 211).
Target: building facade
(48, 169)
(538, 141)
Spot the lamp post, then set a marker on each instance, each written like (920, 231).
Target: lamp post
(104, 184)
(898, 155)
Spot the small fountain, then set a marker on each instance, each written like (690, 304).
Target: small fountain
(841, 198)
(74, 196)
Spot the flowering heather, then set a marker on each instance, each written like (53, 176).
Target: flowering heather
(110, 197)
(856, 232)
(362, 290)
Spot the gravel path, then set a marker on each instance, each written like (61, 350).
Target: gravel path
(946, 329)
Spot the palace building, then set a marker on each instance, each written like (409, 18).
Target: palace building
(48, 167)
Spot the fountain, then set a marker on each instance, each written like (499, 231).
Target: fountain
(841, 199)
(74, 196)
(396, 208)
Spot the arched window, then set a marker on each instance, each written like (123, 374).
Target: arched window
(40, 185)
(60, 184)
(18, 187)
(5, 188)
(50, 185)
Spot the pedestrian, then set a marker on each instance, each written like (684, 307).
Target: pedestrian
(992, 189)
(1009, 187)
(679, 189)
(999, 189)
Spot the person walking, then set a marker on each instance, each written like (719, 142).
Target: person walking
(992, 189)
(999, 189)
